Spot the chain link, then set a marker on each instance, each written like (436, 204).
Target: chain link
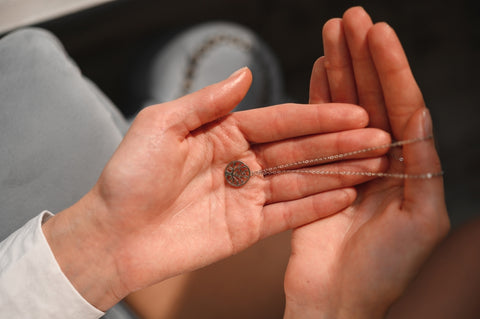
(299, 167)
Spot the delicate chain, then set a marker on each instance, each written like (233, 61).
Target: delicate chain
(355, 173)
(289, 167)
(238, 173)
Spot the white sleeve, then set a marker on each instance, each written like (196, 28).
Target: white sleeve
(32, 285)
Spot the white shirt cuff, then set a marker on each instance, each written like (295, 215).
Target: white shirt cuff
(31, 281)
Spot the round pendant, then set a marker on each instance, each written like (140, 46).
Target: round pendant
(237, 173)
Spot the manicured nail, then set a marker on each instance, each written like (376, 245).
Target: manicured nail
(427, 123)
(236, 73)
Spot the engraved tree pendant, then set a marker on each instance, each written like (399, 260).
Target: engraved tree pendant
(237, 173)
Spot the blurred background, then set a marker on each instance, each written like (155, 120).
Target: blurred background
(442, 41)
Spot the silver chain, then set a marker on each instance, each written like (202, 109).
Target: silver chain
(355, 173)
(299, 167)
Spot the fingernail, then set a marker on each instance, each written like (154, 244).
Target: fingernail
(238, 72)
(427, 123)
(385, 24)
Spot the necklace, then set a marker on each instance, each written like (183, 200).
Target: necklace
(238, 173)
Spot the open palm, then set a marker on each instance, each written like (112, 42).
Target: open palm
(356, 263)
(162, 202)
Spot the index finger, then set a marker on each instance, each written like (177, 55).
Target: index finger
(357, 23)
(401, 92)
(285, 121)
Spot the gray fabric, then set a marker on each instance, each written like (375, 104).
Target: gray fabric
(120, 311)
(57, 131)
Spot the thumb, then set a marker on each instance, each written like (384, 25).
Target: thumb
(421, 158)
(213, 101)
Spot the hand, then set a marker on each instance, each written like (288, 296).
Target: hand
(354, 264)
(161, 206)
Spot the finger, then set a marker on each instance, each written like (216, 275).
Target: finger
(401, 93)
(208, 104)
(319, 88)
(338, 64)
(356, 24)
(285, 121)
(421, 158)
(282, 216)
(290, 186)
(331, 147)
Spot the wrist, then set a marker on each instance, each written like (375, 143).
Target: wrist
(306, 310)
(84, 254)
(296, 311)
